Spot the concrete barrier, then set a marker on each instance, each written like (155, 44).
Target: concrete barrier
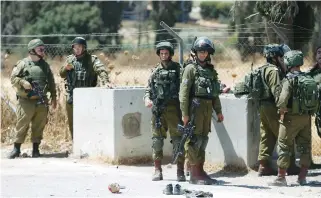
(115, 123)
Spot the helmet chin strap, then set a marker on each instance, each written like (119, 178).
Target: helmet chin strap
(80, 55)
(206, 60)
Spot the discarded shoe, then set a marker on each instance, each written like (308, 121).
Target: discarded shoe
(177, 190)
(168, 189)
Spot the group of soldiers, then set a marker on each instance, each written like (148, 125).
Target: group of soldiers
(287, 100)
(32, 79)
(171, 93)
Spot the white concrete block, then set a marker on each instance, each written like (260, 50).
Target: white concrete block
(98, 123)
(99, 130)
(235, 141)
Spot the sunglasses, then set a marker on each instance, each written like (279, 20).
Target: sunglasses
(41, 49)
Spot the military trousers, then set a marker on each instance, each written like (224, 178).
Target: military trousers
(298, 128)
(269, 132)
(28, 111)
(69, 109)
(196, 146)
(169, 119)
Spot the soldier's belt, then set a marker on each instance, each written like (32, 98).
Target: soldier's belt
(207, 100)
(31, 98)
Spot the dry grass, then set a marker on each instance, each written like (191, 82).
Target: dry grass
(125, 68)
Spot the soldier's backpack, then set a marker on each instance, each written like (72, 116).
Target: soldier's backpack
(254, 85)
(305, 94)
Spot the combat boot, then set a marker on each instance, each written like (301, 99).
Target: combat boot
(198, 177)
(280, 180)
(15, 152)
(214, 181)
(302, 176)
(293, 169)
(158, 174)
(265, 169)
(188, 168)
(180, 172)
(35, 150)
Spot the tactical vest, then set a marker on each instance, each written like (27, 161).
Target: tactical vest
(206, 84)
(305, 94)
(32, 71)
(82, 74)
(166, 82)
(254, 84)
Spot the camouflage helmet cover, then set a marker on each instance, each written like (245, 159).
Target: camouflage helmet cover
(203, 44)
(165, 45)
(79, 40)
(272, 50)
(35, 43)
(293, 58)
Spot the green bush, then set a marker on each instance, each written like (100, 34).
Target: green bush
(215, 9)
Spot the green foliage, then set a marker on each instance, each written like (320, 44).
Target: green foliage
(167, 11)
(53, 17)
(215, 9)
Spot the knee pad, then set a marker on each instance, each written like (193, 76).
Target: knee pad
(158, 144)
(196, 142)
(204, 143)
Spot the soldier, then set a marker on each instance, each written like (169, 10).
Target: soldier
(273, 72)
(315, 72)
(297, 101)
(32, 78)
(81, 70)
(162, 96)
(200, 81)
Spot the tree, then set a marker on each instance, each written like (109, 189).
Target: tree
(167, 11)
(294, 19)
(62, 20)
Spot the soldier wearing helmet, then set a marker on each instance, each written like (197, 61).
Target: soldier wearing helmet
(81, 69)
(200, 82)
(32, 78)
(162, 96)
(296, 102)
(271, 74)
(315, 72)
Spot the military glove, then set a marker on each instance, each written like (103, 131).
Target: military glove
(26, 85)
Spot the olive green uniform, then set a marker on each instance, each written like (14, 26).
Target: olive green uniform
(201, 83)
(315, 72)
(294, 127)
(29, 109)
(84, 74)
(164, 84)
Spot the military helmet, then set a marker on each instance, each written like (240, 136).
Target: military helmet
(165, 45)
(35, 43)
(293, 58)
(203, 44)
(79, 40)
(272, 50)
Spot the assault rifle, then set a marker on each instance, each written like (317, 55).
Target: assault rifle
(69, 86)
(187, 132)
(37, 91)
(157, 109)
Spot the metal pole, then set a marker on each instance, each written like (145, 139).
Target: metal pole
(179, 40)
